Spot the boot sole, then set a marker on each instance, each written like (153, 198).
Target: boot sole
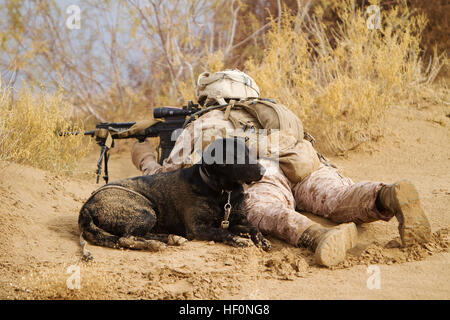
(413, 226)
(333, 248)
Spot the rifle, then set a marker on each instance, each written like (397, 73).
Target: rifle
(164, 125)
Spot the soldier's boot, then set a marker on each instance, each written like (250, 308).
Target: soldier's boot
(402, 199)
(329, 245)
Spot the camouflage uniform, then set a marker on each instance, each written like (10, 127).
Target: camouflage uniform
(272, 201)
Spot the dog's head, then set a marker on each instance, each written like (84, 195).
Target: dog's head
(230, 163)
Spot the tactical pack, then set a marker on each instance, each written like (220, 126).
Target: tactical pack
(283, 138)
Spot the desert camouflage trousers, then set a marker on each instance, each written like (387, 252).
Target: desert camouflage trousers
(272, 202)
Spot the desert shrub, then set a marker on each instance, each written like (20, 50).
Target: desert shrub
(436, 32)
(340, 79)
(29, 126)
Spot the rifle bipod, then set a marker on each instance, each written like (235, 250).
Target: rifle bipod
(105, 145)
(104, 156)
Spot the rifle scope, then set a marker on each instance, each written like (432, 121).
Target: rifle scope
(168, 112)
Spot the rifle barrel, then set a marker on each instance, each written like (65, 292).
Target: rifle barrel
(75, 133)
(115, 125)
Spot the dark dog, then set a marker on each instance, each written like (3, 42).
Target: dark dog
(149, 212)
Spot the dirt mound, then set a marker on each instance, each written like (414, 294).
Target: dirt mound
(393, 252)
(286, 264)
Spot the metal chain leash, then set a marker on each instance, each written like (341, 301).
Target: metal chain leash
(225, 223)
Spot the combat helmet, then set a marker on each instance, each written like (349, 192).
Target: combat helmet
(226, 84)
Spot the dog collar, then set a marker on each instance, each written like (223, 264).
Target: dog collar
(209, 182)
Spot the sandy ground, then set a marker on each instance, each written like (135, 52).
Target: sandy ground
(39, 247)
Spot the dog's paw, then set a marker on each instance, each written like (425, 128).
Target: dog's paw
(175, 240)
(265, 244)
(127, 242)
(137, 243)
(261, 242)
(241, 242)
(154, 245)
